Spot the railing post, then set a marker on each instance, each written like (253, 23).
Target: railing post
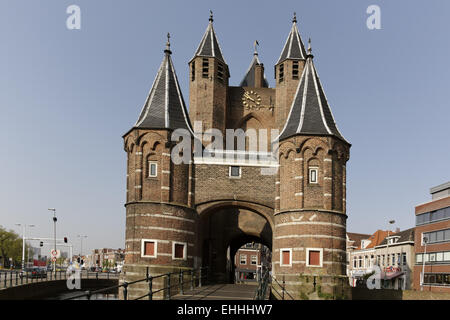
(168, 286)
(200, 278)
(16, 278)
(180, 282)
(192, 279)
(150, 289)
(282, 289)
(10, 279)
(125, 290)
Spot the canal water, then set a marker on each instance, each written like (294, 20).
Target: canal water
(99, 296)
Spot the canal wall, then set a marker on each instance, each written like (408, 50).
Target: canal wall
(47, 289)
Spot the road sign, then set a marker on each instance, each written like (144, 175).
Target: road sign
(55, 253)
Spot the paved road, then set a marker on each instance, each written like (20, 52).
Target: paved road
(219, 292)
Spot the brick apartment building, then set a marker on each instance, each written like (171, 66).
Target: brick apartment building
(432, 241)
(251, 260)
(185, 215)
(106, 257)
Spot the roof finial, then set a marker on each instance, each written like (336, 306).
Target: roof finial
(256, 43)
(309, 47)
(168, 44)
(294, 20)
(211, 16)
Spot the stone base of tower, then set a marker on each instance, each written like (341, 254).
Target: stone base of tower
(133, 272)
(310, 287)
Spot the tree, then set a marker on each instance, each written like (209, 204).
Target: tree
(10, 247)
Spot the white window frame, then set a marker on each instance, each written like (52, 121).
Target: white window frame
(245, 259)
(234, 177)
(320, 257)
(310, 170)
(150, 162)
(290, 257)
(143, 241)
(184, 250)
(256, 260)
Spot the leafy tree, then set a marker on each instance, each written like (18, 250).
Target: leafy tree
(10, 247)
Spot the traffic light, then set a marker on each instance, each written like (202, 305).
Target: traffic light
(41, 244)
(65, 239)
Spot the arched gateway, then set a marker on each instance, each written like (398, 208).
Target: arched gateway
(188, 214)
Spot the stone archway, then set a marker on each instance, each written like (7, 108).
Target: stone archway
(230, 226)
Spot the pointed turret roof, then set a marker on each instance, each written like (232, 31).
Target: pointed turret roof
(293, 48)
(164, 107)
(310, 113)
(209, 46)
(249, 78)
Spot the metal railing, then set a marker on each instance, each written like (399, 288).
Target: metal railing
(263, 283)
(15, 278)
(194, 277)
(282, 285)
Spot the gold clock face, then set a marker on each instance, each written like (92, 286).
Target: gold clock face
(251, 99)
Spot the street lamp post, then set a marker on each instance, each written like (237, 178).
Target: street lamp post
(24, 228)
(425, 240)
(54, 236)
(81, 245)
(387, 251)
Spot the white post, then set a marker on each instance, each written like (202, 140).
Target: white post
(424, 240)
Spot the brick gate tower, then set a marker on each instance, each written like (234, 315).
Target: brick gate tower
(198, 213)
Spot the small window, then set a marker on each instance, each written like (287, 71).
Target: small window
(314, 258)
(235, 172)
(179, 251)
(313, 175)
(205, 68)
(254, 260)
(149, 248)
(281, 73)
(286, 257)
(243, 259)
(295, 70)
(193, 71)
(152, 169)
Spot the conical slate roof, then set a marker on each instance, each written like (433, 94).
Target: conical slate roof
(310, 113)
(164, 107)
(293, 48)
(209, 46)
(249, 78)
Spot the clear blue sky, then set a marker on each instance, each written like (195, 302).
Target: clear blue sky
(67, 96)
